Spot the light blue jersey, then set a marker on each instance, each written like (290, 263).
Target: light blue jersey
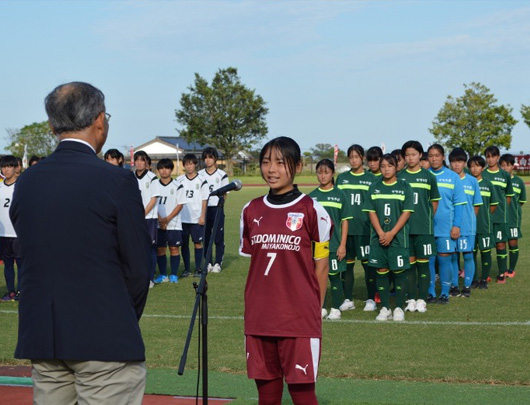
(452, 193)
(468, 225)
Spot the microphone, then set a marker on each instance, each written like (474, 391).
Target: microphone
(236, 185)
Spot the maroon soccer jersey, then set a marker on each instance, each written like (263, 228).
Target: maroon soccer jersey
(282, 295)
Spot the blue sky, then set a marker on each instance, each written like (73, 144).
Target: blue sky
(340, 72)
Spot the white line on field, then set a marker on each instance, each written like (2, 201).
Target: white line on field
(456, 323)
(362, 321)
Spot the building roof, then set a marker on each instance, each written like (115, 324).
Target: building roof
(182, 143)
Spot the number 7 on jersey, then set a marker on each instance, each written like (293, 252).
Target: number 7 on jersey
(272, 258)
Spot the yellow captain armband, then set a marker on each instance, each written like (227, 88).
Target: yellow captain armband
(321, 250)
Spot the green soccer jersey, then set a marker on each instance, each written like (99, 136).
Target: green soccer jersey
(425, 191)
(389, 201)
(503, 186)
(489, 198)
(355, 186)
(519, 197)
(336, 204)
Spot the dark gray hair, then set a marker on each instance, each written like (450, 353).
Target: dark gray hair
(72, 107)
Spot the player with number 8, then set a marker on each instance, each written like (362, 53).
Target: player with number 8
(336, 204)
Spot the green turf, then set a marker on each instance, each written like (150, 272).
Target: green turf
(342, 390)
(472, 350)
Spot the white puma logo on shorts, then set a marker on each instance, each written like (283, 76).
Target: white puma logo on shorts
(299, 367)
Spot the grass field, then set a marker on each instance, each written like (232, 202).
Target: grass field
(473, 350)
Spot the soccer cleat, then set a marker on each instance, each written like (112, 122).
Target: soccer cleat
(475, 284)
(324, 313)
(432, 299)
(334, 314)
(488, 279)
(421, 306)
(161, 279)
(510, 274)
(466, 292)
(347, 305)
(411, 307)
(151, 284)
(377, 298)
(10, 296)
(185, 274)
(444, 299)
(369, 306)
(482, 285)
(209, 268)
(17, 296)
(173, 279)
(197, 273)
(501, 279)
(384, 315)
(454, 291)
(399, 315)
(216, 268)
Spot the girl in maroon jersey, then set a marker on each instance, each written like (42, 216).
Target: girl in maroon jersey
(286, 233)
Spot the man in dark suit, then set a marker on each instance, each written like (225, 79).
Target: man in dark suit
(80, 223)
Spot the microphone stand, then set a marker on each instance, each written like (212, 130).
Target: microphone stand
(201, 302)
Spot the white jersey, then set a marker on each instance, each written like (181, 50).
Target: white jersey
(216, 180)
(6, 197)
(196, 190)
(148, 185)
(171, 195)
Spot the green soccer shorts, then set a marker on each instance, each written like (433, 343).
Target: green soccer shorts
(357, 246)
(336, 266)
(422, 246)
(388, 257)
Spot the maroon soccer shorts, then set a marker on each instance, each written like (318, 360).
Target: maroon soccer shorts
(296, 358)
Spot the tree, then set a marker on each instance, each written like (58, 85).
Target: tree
(525, 112)
(38, 137)
(474, 121)
(327, 151)
(225, 114)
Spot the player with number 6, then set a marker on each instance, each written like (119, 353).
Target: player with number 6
(389, 207)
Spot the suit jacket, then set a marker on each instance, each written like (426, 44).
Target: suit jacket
(85, 245)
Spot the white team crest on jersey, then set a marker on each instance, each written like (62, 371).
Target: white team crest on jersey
(146, 185)
(294, 220)
(171, 192)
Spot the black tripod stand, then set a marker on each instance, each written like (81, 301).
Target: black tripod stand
(201, 302)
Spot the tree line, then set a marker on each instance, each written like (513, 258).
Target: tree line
(228, 115)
